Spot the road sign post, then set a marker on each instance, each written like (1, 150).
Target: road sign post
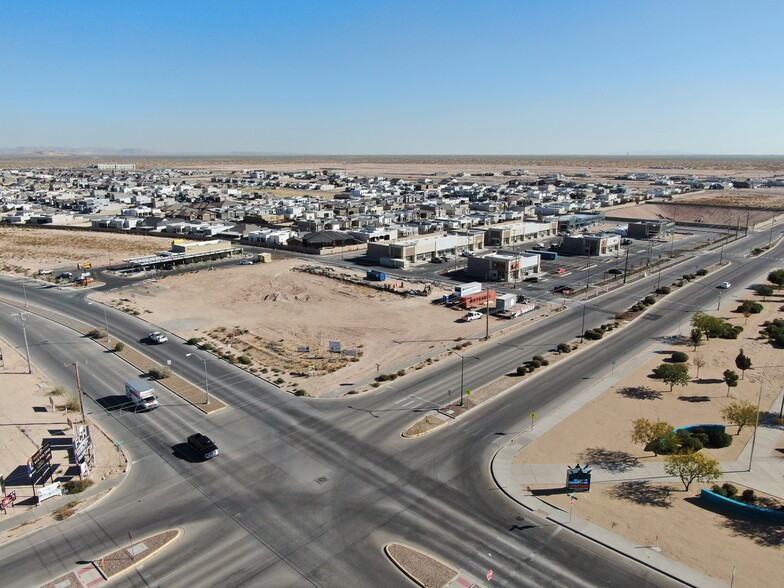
(489, 575)
(533, 416)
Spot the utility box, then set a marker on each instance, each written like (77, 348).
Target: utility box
(505, 301)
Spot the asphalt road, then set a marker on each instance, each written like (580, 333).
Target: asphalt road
(307, 492)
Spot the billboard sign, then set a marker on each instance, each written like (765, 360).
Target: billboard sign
(49, 491)
(578, 479)
(39, 460)
(82, 442)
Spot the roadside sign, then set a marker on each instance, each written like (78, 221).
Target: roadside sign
(49, 491)
(489, 575)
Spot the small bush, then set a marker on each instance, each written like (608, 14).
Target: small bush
(536, 363)
(531, 368)
(691, 444)
(119, 346)
(538, 358)
(717, 439)
(76, 486)
(731, 333)
(300, 392)
(748, 496)
(564, 348)
(72, 401)
(663, 290)
(193, 341)
(96, 333)
(731, 490)
(545, 362)
(649, 300)
(245, 360)
(521, 370)
(207, 346)
(679, 357)
(279, 381)
(58, 391)
(701, 272)
(750, 306)
(65, 511)
(593, 334)
(401, 373)
(716, 489)
(159, 373)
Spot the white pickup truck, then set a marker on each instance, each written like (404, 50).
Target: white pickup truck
(141, 394)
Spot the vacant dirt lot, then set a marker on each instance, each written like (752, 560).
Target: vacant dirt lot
(284, 320)
(25, 251)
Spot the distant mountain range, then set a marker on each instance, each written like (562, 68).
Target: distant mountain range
(73, 151)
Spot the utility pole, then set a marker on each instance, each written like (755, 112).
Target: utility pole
(746, 230)
(79, 389)
(582, 327)
(626, 265)
(23, 316)
(487, 314)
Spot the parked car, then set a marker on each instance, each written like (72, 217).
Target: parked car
(563, 289)
(560, 271)
(65, 276)
(157, 337)
(615, 271)
(531, 279)
(203, 445)
(45, 272)
(725, 285)
(472, 316)
(246, 262)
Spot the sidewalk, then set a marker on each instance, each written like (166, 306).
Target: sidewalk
(766, 475)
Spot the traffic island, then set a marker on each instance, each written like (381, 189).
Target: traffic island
(422, 569)
(137, 551)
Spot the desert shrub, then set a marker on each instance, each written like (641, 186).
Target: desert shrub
(731, 332)
(679, 357)
(536, 363)
(663, 290)
(530, 368)
(649, 300)
(564, 348)
(538, 358)
(593, 334)
(65, 511)
(207, 346)
(637, 307)
(731, 490)
(72, 400)
(300, 392)
(545, 362)
(664, 445)
(748, 496)
(522, 370)
(382, 378)
(690, 444)
(58, 391)
(159, 373)
(76, 486)
(119, 346)
(279, 381)
(717, 439)
(245, 360)
(96, 333)
(401, 373)
(701, 272)
(716, 489)
(750, 306)
(193, 341)
(622, 316)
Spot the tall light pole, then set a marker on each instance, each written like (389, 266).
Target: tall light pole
(462, 361)
(79, 389)
(626, 265)
(756, 424)
(206, 380)
(658, 280)
(105, 320)
(23, 316)
(582, 327)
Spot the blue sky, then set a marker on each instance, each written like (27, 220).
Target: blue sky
(395, 77)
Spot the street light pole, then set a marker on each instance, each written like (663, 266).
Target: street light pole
(626, 265)
(206, 379)
(79, 389)
(658, 281)
(23, 316)
(462, 361)
(582, 327)
(756, 424)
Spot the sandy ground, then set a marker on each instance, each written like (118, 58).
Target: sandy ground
(714, 542)
(752, 208)
(26, 419)
(25, 251)
(269, 311)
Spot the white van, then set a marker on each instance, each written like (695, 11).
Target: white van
(472, 316)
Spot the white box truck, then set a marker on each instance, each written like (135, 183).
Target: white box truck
(141, 394)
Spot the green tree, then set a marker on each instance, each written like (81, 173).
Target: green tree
(711, 326)
(742, 362)
(696, 337)
(692, 467)
(741, 413)
(776, 277)
(764, 290)
(731, 379)
(647, 433)
(673, 373)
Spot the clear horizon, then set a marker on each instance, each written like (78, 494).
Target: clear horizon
(333, 78)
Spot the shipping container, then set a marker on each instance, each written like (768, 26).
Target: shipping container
(548, 255)
(477, 299)
(505, 301)
(469, 288)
